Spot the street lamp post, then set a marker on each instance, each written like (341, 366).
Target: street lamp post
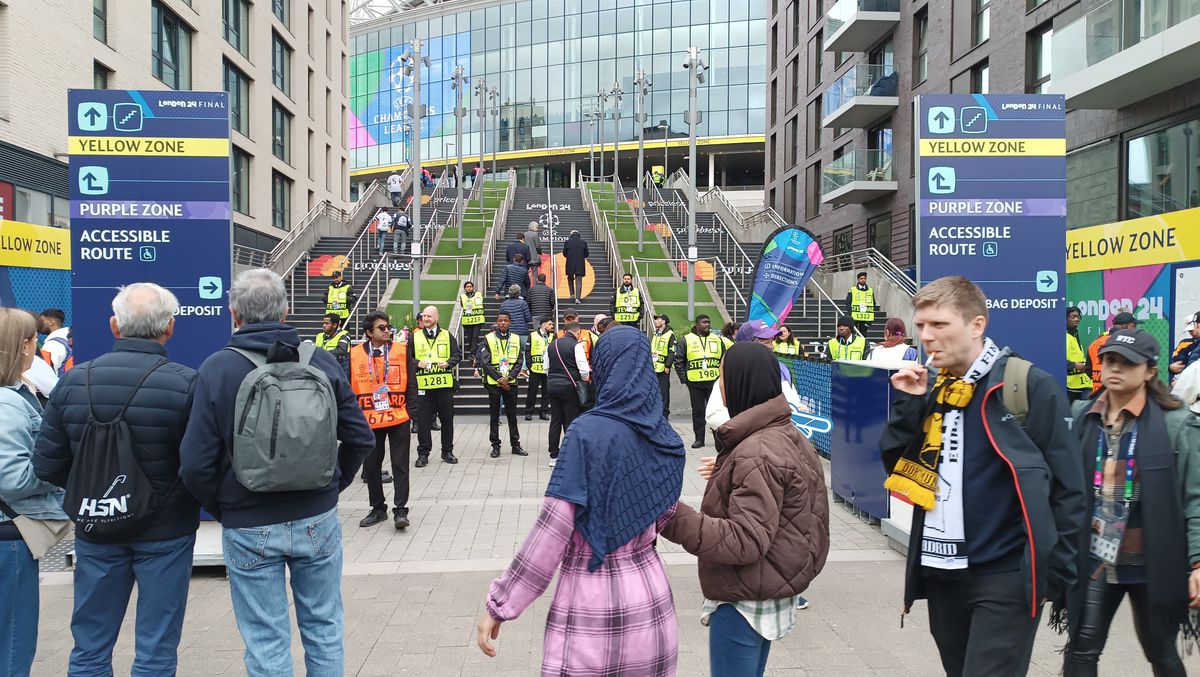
(643, 85)
(665, 126)
(481, 99)
(696, 68)
(460, 115)
(617, 94)
(602, 98)
(412, 65)
(494, 97)
(591, 120)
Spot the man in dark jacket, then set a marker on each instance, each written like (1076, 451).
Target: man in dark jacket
(514, 273)
(515, 248)
(541, 298)
(518, 310)
(159, 558)
(998, 504)
(575, 251)
(501, 356)
(263, 532)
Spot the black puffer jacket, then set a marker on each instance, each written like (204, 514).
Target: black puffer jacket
(157, 417)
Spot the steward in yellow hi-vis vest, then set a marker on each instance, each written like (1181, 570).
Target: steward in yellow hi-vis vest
(436, 353)
(1079, 381)
(337, 297)
(662, 355)
(627, 302)
(860, 301)
(698, 363)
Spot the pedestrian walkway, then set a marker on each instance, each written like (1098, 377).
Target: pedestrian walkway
(412, 597)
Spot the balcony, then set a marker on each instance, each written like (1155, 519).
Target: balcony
(858, 177)
(863, 96)
(856, 25)
(1126, 51)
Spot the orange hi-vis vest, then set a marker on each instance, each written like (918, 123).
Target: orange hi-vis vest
(586, 338)
(381, 390)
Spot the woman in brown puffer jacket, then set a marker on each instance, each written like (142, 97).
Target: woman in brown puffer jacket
(762, 532)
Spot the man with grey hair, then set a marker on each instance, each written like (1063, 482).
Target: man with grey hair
(268, 533)
(138, 385)
(534, 244)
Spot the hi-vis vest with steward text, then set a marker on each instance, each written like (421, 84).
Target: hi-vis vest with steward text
(862, 304)
(1076, 379)
(380, 383)
(628, 305)
(505, 355)
(330, 343)
(435, 353)
(788, 348)
(703, 357)
(537, 350)
(337, 300)
(853, 350)
(659, 345)
(472, 309)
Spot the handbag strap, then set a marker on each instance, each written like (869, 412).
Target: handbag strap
(7, 509)
(564, 365)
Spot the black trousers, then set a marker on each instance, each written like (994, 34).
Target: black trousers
(495, 394)
(1156, 636)
(572, 281)
(664, 387)
(470, 337)
(564, 408)
(981, 624)
(440, 402)
(1073, 395)
(699, 394)
(537, 381)
(397, 440)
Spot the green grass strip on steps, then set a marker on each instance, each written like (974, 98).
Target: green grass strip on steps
(674, 292)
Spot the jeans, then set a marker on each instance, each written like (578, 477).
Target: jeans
(382, 241)
(398, 439)
(255, 557)
(1156, 636)
(399, 235)
(734, 648)
(495, 394)
(564, 408)
(981, 624)
(104, 578)
(397, 198)
(19, 619)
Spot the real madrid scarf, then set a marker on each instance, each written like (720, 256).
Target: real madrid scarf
(931, 475)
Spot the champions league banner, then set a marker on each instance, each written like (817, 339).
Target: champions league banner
(787, 261)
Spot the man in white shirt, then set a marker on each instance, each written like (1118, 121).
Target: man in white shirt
(57, 347)
(395, 188)
(383, 225)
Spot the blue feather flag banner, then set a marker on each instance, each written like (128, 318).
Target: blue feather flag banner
(788, 259)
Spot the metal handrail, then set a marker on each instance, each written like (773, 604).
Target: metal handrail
(873, 258)
(821, 294)
(250, 256)
(498, 219)
(291, 280)
(294, 234)
(718, 195)
(353, 318)
(727, 282)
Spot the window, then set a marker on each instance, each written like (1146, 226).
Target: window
(241, 181)
(793, 75)
(99, 76)
(312, 36)
(1163, 171)
(281, 63)
(815, 60)
(281, 132)
(773, 100)
(794, 16)
(1093, 185)
(793, 130)
(812, 191)
(879, 234)
(312, 152)
(921, 46)
(773, 147)
(1038, 60)
(979, 78)
(1033, 4)
(982, 26)
(773, 45)
(170, 48)
(100, 20)
(843, 240)
(235, 19)
(789, 200)
(283, 11)
(238, 87)
(281, 201)
(812, 124)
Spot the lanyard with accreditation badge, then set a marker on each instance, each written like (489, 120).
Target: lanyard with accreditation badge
(1109, 518)
(380, 399)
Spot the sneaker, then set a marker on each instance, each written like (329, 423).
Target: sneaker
(553, 462)
(386, 477)
(400, 518)
(518, 451)
(801, 603)
(374, 517)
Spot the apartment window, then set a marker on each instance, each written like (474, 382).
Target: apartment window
(774, 46)
(773, 147)
(816, 56)
(843, 240)
(170, 48)
(235, 19)
(328, 54)
(982, 26)
(100, 20)
(812, 191)
(879, 234)
(793, 76)
(812, 125)
(312, 94)
(238, 87)
(241, 181)
(1093, 184)
(328, 167)
(921, 46)
(328, 111)
(789, 200)
(312, 153)
(345, 131)
(282, 9)
(281, 63)
(794, 15)
(281, 132)
(1034, 4)
(99, 76)
(281, 201)
(774, 101)
(312, 36)
(1162, 171)
(793, 130)
(1038, 60)
(979, 78)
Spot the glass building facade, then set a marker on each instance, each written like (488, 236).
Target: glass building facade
(547, 60)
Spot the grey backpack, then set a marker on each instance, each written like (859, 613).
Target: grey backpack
(285, 416)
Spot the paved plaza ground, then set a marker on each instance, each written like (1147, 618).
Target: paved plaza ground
(412, 598)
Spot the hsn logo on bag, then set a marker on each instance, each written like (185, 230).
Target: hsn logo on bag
(106, 506)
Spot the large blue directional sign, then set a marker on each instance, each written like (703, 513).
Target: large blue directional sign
(150, 203)
(992, 206)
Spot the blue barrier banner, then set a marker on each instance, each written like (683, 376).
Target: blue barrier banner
(992, 204)
(150, 202)
(812, 382)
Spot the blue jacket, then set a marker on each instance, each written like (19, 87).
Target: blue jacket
(157, 417)
(20, 421)
(513, 274)
(518, 310)
(205, 453)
